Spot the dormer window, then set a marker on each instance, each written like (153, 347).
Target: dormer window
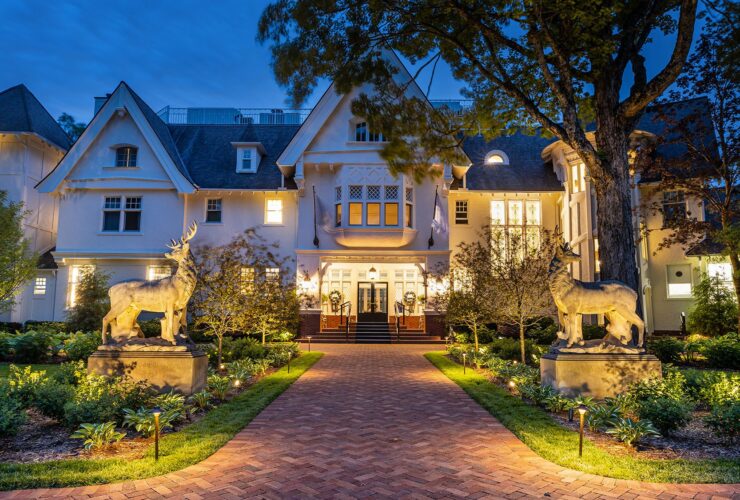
(363, 134)
(126, 156)
(497, 157)
(248, 156)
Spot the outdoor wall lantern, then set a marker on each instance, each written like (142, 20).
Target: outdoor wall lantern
(372, 273)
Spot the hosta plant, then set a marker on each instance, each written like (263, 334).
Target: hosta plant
(536, 393)
(630, 431)
(261, 366)
(201, 400)
(219, 386)
(602, 416)
(171, 403)
(557, 403)
(142, 420)
(98, 435)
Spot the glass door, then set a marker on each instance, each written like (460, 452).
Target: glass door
(372, 301)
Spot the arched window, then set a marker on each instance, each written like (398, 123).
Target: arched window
(126, 156)
(497, 157)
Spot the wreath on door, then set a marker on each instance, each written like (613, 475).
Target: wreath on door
(335, 297)
(409, 298)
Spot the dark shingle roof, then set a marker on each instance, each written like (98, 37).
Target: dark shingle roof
(160, 128)
(526, 171)
(20, 111)
(211, 158)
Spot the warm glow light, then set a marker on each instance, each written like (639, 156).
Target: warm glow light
(582, 409)
(237, 383)
(372, 273)
(679, 289)
(512, 384)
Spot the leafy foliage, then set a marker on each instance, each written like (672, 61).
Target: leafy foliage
(12, 413)
(81, 345)
(51, 396)
(723, 352)
(96, 436)
(715, 309)
(172, 404)
(667, 414)
(91, 303)
(103, 399)
(666, 349)
(31, 346)
(602, 416)
(201, 400)
(70, 126)
(142, 420)
(725, 420)
(630, 432)
(22, 383)
(17, 261)
(219, 386)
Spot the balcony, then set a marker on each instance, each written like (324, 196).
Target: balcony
(232, 116)
(373, 237)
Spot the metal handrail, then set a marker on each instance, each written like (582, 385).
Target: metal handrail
(400, 308)
(348, 306)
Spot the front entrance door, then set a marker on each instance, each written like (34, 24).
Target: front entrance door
(372, 301)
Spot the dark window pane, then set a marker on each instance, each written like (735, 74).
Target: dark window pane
(213, 216)
(132, 221)
(111, 220)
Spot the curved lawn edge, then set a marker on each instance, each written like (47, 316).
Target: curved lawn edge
(178, 450)
(560, 445)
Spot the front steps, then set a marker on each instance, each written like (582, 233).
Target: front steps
(372, 332)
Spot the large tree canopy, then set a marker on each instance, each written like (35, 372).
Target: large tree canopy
(558, 64)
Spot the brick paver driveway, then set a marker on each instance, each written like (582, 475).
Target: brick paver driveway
(379, 421)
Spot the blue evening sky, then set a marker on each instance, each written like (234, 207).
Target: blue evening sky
(176, 52)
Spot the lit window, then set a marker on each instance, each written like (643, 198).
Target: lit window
(274, 212)
(76, 274)
(679, 281)
(154, 273)
(409, 215)
(497, 213)
(722, 271)
(391, 214)
(496, 158)
(355, 214)
(338, 214)
(516, 225)
(373, 214)
(39, 286)
(578, 177)
(272, 273)
(674, 207)
(113, 213)
(126, 156)
(213, 210)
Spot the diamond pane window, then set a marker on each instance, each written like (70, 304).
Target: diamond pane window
(338, 193)
(391, 192)
(355, 192)
(410, 195)
(373, 192)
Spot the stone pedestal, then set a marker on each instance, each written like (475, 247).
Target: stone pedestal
(596, 375)
(177, 368)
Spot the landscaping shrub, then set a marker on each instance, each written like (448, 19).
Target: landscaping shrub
(279, 353)
(5, 345)
(725, 420)
(543, 332)
(593, 332)
(81, 345)
(507, 348)
(31, 347)
(715, 309)
(723, 352)
(10, 326)
(98, 435)
(102, 399)
(69, 373)
(630, 432)
(172, 404)
(92, 302)
(242, 348)
(719, 388)
(143, 420)
(51, 396)
(22, 383)
(667, 414)
(54, 327)
(151, 328)
(536, 393)
(12, 414)
(557, 403)
(219, 386)
(201, 400)
(666, 349)
(672, 386)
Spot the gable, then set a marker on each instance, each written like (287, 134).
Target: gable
(123, 102)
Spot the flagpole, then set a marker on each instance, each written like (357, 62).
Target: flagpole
(315, 236)
(434, 216)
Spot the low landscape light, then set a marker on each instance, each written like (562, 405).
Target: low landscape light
(465, 358)
(237, 383)
(512, 384)
(582, 409)
(309, 343)
(156, 411)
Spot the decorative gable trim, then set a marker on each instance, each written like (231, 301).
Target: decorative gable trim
(119, 103)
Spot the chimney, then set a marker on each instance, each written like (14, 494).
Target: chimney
(99, 101)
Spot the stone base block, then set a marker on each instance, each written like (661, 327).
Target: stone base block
(183, 371)
(596, 375)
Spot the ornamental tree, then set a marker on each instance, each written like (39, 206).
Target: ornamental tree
(555, 64)
(17, 261)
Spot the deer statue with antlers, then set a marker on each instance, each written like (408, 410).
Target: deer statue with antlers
(168, 295)
(574, 298)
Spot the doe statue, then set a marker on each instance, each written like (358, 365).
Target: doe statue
(574, 298)
(167, 295)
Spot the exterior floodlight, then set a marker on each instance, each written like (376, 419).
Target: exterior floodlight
(372, 273)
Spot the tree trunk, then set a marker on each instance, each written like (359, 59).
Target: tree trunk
(610, 171)
(735, 263)
(522, 345)
(475, 340)
(220, 343)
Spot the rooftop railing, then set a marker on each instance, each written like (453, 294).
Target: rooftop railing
(260, 116)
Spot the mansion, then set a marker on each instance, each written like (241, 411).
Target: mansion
(315, 183)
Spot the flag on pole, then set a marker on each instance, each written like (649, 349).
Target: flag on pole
(439, 221)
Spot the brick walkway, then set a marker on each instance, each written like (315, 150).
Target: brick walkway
(378, 421)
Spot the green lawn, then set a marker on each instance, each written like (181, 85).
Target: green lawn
(49, 368)
(177, 451)
(560, 445)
